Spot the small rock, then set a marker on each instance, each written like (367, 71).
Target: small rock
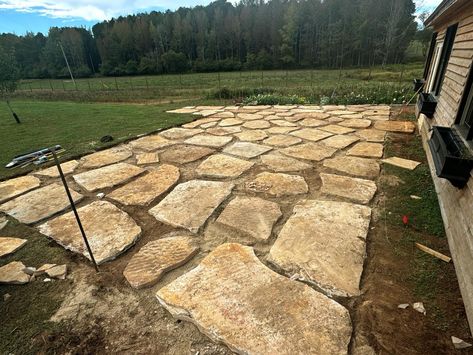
(403, 305)
(13, 274)
(100, 195)
(47, 280)
(29, 270)
(459, 343)
(419, 307)
(57, 272)
(414, 197)
(42, 269)
(6, 296)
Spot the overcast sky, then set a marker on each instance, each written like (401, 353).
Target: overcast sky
(20, 16)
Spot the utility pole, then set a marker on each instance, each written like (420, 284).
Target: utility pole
(67, 63)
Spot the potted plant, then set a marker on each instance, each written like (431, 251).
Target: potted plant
(452, 158)
(418, 84)
(427, 104)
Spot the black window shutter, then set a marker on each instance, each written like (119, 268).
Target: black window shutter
(444, 58)
(430, 54)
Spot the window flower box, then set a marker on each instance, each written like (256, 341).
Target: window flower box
(452, 158)
(427, 104)
(418, 84)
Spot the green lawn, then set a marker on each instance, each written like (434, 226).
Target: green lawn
(78, 127)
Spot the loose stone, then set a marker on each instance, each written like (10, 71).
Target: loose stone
(396, 126)
(354, 189)
(147, 158)
(366, 149)
(12, 274)
(10, 245)
(371, 135)
(402, 163)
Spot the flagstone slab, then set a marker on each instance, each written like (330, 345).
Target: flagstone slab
(281, 130)
(223, 166)
(158, 257)
(66, 167)
(183, 154)
(325, 242)
(355, 123)
(251, 216)
(230, 122)
(12, 274)
(235, 299)
(309, 151)
(151, 143)
(110, 231)
(402, 163)
(283, 123)
(147, 188)
(249, 116)
(335, 119)
(396, 126)
(17, 186)
(190, 204)
(107, 176)
(223, 131)
(257, 124)
(313, 115)
(371, 135)
(147, 158)
(183, 110)
(9, 245)
(206, 113)
(340, 141)
(180, 133)
(105, 157)
(39, 204)
(354, 189)
(224, 114)
(252, 135)
(336, 129)
(353, 115)
(282, 140)
(208, 125)
(368, 168)
(367, 149)
(340, 112)
(313, 122)
(281, 163)
(278, 184)
(200, 122)
(246, 149)
(209, 140)
(312, 134)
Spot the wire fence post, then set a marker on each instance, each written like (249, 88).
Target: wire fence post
(88, 83)
(116, 82)
(147, 85)
(63, 86)
(51, 85)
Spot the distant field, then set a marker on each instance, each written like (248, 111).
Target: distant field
(308, 83)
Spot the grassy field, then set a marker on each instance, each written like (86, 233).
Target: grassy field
(308, 83)
(78, 127)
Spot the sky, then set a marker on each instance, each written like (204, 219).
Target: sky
(21, 16)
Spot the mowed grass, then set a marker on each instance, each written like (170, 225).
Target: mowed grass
(77, 127)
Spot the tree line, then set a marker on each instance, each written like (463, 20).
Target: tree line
(253, 34)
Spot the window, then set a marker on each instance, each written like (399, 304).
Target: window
(436, 83)
(430, 54)
(434, 68)
(465, 113)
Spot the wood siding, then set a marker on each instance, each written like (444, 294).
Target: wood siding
(456, 204)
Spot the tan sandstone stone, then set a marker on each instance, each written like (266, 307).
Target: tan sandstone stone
(230, 122)
(201, 121)
(14, 187)
(367, 149)
(396, 126)
(309, 151)
(356, 123)
(180, 133)
(311, 134)
(151, 143)
(402, 163)
(325, 242)
(281, 163)
(9, 245)
(183, 110)
(368, 168)
(354, 189)
(257, 124)
(107, 176)
(313, 115)
(252, 216)
(147, 188)
(246, 149)
(249, 116)
(283, 123)
(278, 184)
(223, 131)
(190, 204)
(109, 230)
(39, 204)
(281, 130)
(340, 141)
(183, 154)
(336, 129)
(252, 135)
(66, 167)
(105, 157)
(235, 299)
(147, 158)
(209, 140)
(223, 166)
(371, 135)
(158, 257)
(313, 122)
(12, 274)
(282, 140)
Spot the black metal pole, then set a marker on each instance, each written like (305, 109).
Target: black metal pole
(73, 206)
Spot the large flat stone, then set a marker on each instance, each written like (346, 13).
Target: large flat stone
(180, 133)
(367, 149)
(183, 154)
(109, 230)
(401, 163)
(311, 134)
(39, 204)
(281, 130)
(355, 123)
(251, 216)
(9, 245)
(246, 149)
(368, 168)
(107, 176)
(336, 129)
(201, 122)
(105, 157)
(209, 140)
(233, 298)
(147, 158)
(151, 143)
(158, 257)
(223, 166)
(67, 167)
(249, 116)
(252, 135)
(281, 163)
(371, 135)
(14, 187)
(190, 204)
(325, 242)
(282, 140)
(278, 184)
(396, 126)
(283, 123)
(189, 109)
(354, 189)
(313, 122)
(257, 124)
(340, 141)
(313, 115)
(223, 131)
(230, 122)
(309, 151)
(147, 188)
(12, 274)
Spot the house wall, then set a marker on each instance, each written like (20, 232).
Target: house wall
(456, 204)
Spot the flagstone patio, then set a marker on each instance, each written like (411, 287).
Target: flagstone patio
(292, 183)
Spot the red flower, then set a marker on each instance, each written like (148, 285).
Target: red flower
(405, 220)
